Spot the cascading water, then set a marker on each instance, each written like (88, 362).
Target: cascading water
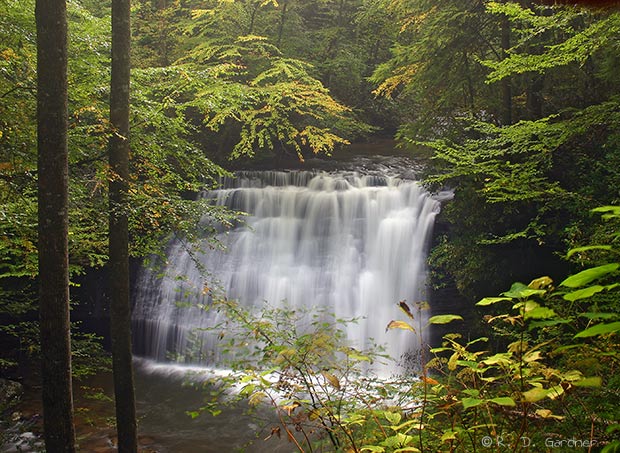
(353, 245)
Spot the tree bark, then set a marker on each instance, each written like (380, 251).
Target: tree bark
(57, 396)
(120, 311)
(506, 83)
(281, 26)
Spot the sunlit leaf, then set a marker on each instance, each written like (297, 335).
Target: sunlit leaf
(257, 398)
(589, 275)
(449, 435)
(594, 381)
(583, 293)
(399, 325)
(546, 413)
(599, 329)
(555, 392)
(393, 417)
(428, 380)
(608, 212)
(535, 394)
(444, 319)
(539, 313)
(587, 248)
(333, 380)
(498, 359)
(373, 448)
(492, 300)
(540, 283)
(520, 291)
(452, 362)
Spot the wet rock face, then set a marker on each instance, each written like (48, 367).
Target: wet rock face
(10, 394)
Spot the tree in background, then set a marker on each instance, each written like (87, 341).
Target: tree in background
(340, 40)
(516, 104)
(51, 21)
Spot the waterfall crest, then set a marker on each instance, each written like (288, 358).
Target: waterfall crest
(353, 245)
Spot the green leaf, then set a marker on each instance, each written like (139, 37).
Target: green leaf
(393, 417)
(520, 291)
(503, 401)
(613, 447)
(599, 315)
(471, 402)
(594, 381)
(539, 313)
(491, 300)
(471, 392)
(585, 277)
(587, 248)
(608, 211)
(588, 292)
(448, 435)
(373, 448)
(599, 329)
(535, 394)
(444, 319)
(503, 358)
(583, 293)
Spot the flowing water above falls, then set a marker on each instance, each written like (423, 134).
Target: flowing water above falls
(352, 245)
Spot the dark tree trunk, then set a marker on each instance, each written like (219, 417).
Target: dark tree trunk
(51, 22)
(120, 311)
(506, 85)
(253, 18)
(534, 97)
(281, 26)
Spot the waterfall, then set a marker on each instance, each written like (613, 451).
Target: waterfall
(353, 245)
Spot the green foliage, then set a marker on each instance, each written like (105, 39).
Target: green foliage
(548, 375)
(579, 44)
(341, 41)
(169, 168)
(518, 108)
(298, 362)
(269, 101)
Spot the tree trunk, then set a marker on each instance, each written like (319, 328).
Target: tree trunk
(281, 26)
(120, 311)
(253, 18)
(51, 22)
(534, 97)
(506, 85)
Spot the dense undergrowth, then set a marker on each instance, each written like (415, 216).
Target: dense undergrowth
(544, 379)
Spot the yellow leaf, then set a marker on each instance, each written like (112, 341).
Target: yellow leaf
(428, 380)
(452, 361)
(256, 398)
(399, 325)
(333, 380)
(535, 394)
(546, 413)
(289, 408)
(540, 283)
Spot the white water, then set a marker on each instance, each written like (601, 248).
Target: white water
(355, 246)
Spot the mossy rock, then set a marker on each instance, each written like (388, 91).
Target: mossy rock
(10, 394)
